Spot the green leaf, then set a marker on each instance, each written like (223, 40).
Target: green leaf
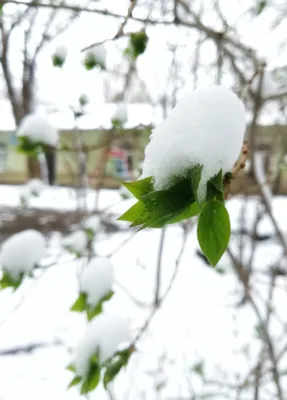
(213, 230)
(133, 213)
(137, 45)
(139, 188)
(188, 212)
(195, 176)
(261, 6)
(111, 371)
(215, 188)
(198, 368)
(217, 181)
(80, 304)
(108, 296)
(96, 310)
(71, 368)
(74, 382)
(93, 376)
(7, 281)
(58, 61)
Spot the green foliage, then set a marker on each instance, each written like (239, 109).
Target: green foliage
(92, 378)
(157, 208)
(109, 370)
(8, 282)
(75, 382)
(58, 61)
(213, 230)
(81, 305)
(137, 44)
(198, 368)
(117, 124)
(91, 62)
(29, 147)
(261, 5)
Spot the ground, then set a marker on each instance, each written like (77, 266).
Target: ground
(38, 333)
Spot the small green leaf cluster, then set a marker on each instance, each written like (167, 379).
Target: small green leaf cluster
(91, 62)
(58, 61)
(157, 208)
(82, 305)
(8, 282)
(137, 44)
(261, 5)
(30, 147)
(107, 370)
(117, 124)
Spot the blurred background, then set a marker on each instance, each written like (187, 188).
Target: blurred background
(105, 72)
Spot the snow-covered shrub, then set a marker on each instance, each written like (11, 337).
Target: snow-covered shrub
(19, 255)
(59, 56)
(120, 116)
(76, 242)
(96, 57)
(33, 188)
(98, 352)
(35, 132)
(96, 283)
(187, 163)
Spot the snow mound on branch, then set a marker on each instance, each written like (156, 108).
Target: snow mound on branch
(93, 223)
(76, 241)
(97, 279)
(205, 128)
(61, 52)
(21, 252)
(104, 334)
(38, 128)
(121, 113)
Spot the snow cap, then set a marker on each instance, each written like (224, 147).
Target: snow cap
(104, 334)
(97, 279)
(206, 128)
(38, 128)
(21, 251)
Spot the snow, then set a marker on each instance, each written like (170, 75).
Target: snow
(21, 252)
(38, 128)
(104, 334)
(97, 279)
(76, 241)
(198, 291)
(35, 186)
(61, 52)
(205, 128)
(93, 223)
(125, 193)
(97, 53)
(121, 113)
